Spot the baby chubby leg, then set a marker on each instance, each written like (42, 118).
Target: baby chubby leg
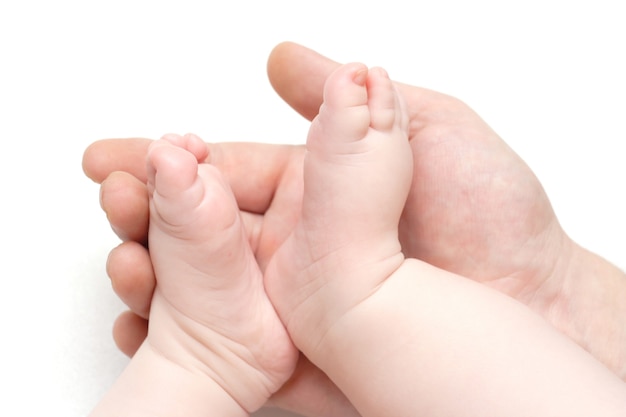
(213, 333)
(399, 336)
(357, 174)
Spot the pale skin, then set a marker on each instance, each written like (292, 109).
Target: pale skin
(339, 283)
(399, 336)
(576, 291)
(215, 345)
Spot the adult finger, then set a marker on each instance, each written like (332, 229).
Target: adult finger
(298, 75)
(105, 156)
(132, 276)
(255, 170)
(129, 332)
(124, 199)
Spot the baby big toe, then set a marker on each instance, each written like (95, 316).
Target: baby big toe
(173, 182)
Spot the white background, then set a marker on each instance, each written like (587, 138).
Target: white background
(547, 75)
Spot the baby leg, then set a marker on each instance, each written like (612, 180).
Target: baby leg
(399, 336)
(212, 327)
(357, 175)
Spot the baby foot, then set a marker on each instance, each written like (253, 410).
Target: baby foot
(357, 175)
(210, 314)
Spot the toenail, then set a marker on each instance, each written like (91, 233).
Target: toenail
(382, 72)
(360, 76)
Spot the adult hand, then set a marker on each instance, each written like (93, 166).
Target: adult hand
(476, 209)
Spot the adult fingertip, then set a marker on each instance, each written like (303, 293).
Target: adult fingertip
(129, 332)
(132, 278)
(92, 162)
